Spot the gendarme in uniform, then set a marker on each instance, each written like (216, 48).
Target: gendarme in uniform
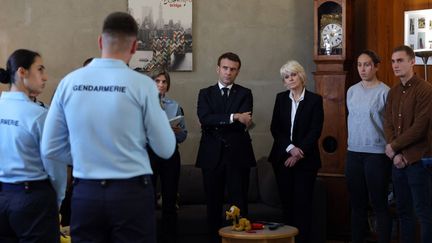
(108, 113)
(27, 198)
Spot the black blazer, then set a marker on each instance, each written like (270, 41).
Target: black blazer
(218, 133)
(308, 124)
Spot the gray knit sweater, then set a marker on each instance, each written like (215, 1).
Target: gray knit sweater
(365, 118)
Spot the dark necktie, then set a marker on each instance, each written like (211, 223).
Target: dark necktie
(225, 96)
(225, 93)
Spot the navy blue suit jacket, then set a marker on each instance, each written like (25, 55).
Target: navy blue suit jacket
(218, 134)
(308, 123)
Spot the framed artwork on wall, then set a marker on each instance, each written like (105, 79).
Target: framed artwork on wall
(164, 34)
(418, 32)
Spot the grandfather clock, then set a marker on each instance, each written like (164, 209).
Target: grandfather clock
(332, 55)
(332, 51)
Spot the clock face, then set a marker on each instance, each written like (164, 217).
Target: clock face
(331, 35)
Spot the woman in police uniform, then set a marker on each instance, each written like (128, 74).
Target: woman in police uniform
(168, 170)
(28, 207)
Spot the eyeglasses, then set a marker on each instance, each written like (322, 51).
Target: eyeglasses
(292, 75)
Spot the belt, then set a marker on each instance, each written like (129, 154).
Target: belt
(25, 186)
(144, 179)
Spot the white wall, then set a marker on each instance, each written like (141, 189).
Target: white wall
(265, 34)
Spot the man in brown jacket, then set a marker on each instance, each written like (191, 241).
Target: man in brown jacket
(407, 127)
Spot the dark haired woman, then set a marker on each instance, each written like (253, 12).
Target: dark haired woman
(168, 170)
(367, 167)
(28, 206)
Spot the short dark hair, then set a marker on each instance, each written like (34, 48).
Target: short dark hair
(408, 50)
(375, 58)
(20, 58)
(156, 73)
(230, 56)
(120, 23)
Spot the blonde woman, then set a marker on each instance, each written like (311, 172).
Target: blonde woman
(296, 127)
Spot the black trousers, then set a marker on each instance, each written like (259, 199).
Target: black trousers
(236, 181)
(65, 209)
(114, 211)
(296, 192)
(169, 172)
(368, 177)
(29, 213)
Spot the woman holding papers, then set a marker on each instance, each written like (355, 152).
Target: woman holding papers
(168, 170)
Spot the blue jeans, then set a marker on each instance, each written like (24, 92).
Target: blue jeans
(368, 177)
(412, 187)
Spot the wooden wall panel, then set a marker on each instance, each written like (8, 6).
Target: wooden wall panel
(416, 4)
(384, 22)
(382, 34)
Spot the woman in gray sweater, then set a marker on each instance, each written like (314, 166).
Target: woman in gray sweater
(367, 167)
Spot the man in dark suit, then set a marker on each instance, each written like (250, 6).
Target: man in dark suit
(225, 154)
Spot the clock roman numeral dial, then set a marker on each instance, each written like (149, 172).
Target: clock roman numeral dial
(332, 34)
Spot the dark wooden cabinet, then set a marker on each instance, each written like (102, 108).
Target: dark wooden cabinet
(332, 87)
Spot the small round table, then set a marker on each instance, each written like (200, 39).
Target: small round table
(283, 234)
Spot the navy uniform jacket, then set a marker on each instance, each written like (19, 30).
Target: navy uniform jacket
(218, 134)
(308, 124)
